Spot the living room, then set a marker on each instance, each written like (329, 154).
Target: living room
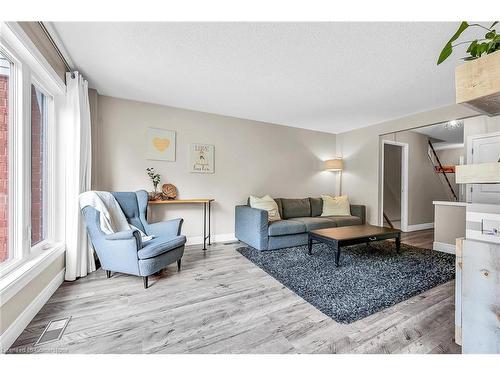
(221, 187)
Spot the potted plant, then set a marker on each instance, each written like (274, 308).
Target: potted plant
(477, 82)
(155, 179)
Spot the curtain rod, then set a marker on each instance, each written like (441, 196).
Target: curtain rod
(59, 53)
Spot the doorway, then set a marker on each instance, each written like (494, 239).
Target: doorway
(394, 207)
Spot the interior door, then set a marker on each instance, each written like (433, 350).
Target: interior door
(484, 150)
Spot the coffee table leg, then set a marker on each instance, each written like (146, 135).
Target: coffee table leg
(398, 243)
(310, 245)
(337, 256)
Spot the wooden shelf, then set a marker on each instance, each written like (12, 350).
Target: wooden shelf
(477, 84)
(181, 201)
(483, 173)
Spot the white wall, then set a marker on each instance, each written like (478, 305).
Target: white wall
(250, 158)
(361, 150)
(480, 125)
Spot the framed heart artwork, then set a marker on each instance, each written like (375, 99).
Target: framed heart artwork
(160, 144)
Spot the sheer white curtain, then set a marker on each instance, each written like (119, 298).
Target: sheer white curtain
(76, 125)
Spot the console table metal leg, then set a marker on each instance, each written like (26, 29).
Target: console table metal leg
(204, 226)
(209, 233)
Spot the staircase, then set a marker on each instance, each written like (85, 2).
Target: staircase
(443, 171)
(387, 220)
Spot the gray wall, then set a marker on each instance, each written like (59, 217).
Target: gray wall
(392, 181)
(424, 184)
(250, 158)
(452, 157)
(449, 223)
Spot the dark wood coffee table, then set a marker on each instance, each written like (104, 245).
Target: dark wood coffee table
(337, 238)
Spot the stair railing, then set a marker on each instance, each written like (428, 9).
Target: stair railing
(442, 170)
(388, 220)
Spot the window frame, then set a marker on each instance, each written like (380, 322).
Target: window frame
(28, 67)
(14, 145)
(49, 170)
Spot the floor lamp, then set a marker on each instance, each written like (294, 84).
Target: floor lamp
(335, 165)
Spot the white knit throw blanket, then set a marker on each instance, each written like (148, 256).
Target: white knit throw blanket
(111, 216)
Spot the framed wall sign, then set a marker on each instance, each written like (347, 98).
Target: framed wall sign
(160, 144)
(201, 158)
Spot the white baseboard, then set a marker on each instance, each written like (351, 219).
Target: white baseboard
(17, 327)
(443, 247)
(224, 237)
(415, 227)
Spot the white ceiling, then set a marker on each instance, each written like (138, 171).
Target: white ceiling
(442, 133)
(325, 76)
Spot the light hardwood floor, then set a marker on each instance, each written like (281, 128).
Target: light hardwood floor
(222, 303)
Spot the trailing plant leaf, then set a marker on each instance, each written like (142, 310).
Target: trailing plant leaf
(490, 34)
(448, 48)
(463, 26)
(490, 43)
(472, 48)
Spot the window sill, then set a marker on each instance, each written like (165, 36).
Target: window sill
(18, 278)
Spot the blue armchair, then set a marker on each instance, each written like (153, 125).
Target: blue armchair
(124, 251)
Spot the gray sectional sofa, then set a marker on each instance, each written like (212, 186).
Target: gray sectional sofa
(298, 217)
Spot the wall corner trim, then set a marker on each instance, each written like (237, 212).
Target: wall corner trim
(17, 327)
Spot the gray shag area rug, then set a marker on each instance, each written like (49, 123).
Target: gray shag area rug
(369, 279)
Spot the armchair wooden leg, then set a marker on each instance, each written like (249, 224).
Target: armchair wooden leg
(179, 265)
(108, 274)
(145, 281)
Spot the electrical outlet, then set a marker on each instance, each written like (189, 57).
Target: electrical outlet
(490, 227)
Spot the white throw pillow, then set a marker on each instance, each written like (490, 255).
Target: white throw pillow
(336, 206)
(266, 203)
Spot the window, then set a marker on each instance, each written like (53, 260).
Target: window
(5, 69)
(30, 213)
(38, 165)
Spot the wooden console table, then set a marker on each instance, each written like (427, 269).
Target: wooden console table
(206, 203)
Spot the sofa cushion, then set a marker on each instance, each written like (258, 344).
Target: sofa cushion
(343, 221)
(295, 208)
(268, 204)
(160, 245)
(338, 206)
(278, 202)
(316, 206)
(280, 206)
(312, 223)
(285, 227)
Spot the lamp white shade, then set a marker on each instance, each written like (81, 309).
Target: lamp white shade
(333, 165)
